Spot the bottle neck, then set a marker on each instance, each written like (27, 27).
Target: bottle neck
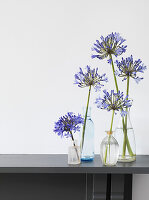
(109, 133)
(125, 120)
(88, 112)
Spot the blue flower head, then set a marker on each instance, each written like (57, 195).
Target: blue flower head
(112, 44)
(68, 123)
(114, 101)
(90, 78)
(129, 67)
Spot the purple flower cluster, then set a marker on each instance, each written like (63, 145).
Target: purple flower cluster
(68, 123)
(112, 44)
(90, 78)
(113, 101)
(128, 67)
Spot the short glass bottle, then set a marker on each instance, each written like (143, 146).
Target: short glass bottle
(74, 154)
(87, 152)
(109, 150)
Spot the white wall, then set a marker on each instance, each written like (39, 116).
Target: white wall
(42, 45)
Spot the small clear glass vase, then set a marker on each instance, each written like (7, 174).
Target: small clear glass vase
(74, 154)
(124, 134)
(109, 150)
(87, 152)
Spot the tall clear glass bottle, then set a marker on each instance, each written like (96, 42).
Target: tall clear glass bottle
(124, 134)
(87, 152)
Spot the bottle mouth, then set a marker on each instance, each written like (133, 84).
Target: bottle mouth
(109, 132)
(88, 112)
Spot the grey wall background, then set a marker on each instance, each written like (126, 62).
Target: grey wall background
(42, 44)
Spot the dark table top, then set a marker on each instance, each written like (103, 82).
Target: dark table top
(57, 163)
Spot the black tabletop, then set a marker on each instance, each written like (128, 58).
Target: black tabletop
(57, 163)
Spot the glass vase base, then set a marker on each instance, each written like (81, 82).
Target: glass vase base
(87, 159)
(109, 164)
(126, 158)
(74, 163)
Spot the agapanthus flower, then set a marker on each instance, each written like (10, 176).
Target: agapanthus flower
(90, 78)
(112, 44)
(68, 123)
(129, 67)
(114, 101)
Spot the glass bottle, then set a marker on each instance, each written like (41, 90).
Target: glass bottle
(124, 134)
(87, 153)
(74, 154)
(109, 150)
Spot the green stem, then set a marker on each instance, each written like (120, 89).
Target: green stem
(116, 85)
(128, 144)
(126, 140)
(105, 159)
(129, 147)
(112, 121)
(85, 118)
(109, 137)
(127, 91)
(125, 129)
